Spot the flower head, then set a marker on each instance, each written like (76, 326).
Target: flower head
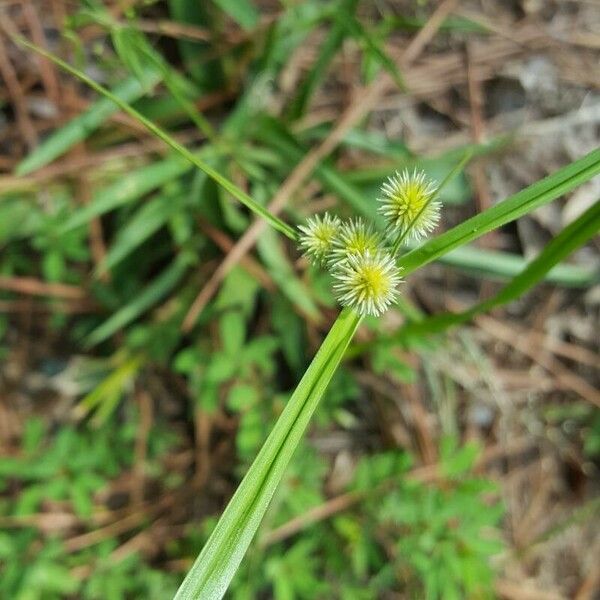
(367, 281)
(409, 205)
(318, 235)
(354, 237)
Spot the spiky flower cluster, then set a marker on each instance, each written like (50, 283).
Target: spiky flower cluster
(364, 269)
(318, 236)
(367, 282)
(409, 205)
(354, 237)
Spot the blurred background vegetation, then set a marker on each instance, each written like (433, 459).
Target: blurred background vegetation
(151, 331)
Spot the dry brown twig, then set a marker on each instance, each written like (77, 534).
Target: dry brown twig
(15, 90)
(47, 70)
(341, 502)
(563, 376)
(35, 287)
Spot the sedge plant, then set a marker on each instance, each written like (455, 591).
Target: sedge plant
(366, 269)
(367, 272)
(363, 266)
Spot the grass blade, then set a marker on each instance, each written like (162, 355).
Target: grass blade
(149, 296)
(165, 137)
(134, 49)
(146, 221)
(503, 265)
(206, 72)
(572, 236)
(217, 563)
(241, 11)
(137, 184)
(82, 126)
(516, 206)
(355, 28)
(327, 52)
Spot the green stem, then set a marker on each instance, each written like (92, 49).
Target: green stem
(216, 565)
(165, 137)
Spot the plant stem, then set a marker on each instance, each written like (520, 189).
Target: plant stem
(236, 192)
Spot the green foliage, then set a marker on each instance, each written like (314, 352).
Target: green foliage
(32, 571)
(433, 540)
(241, 361)
(130, 577)
(72, 467)
(224, 550)
(67, 469)
(35, 569)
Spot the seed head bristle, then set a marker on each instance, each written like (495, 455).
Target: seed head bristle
(367, 282)
(409, 205)
(354, 237)
(318, 235)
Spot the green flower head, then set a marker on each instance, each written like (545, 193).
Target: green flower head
(409, 205)
(354, 237)
(317, 237)
(367, 282)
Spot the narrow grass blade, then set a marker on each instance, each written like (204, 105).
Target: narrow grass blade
(106, 395)
(138, 183)
(217, 563)
(165, 137)
(135, 51)
(378, 51)
(149, 296)
(85, 124)
(147, 220)
(503, 265)
(516, 206)
(573, 236)
(241, 11)
(206, 72)
(269, 246)
(327, 52)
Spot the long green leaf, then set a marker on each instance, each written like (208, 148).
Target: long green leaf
(165, 137)
(241, 11)
(85, 124)
(572, 236)
(512, 208)
(136, 52)
(137, 183)
(217, 563)
(327, 51)
(148, 219)
(503, 265)
(149, 296)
